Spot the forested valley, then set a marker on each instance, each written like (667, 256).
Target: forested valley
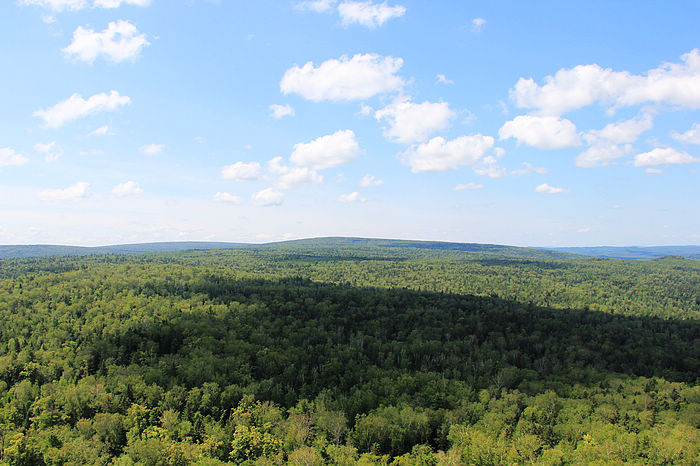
(337, 353)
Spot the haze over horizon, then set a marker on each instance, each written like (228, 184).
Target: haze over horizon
(547, 124)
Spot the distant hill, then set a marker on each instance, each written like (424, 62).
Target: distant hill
(46, 250)
(635, 252)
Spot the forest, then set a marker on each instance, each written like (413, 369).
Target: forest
(336, 352)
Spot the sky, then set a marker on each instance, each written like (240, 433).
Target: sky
(541, 123)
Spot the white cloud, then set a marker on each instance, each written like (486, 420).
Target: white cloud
(76, 191)
(241, 171)
(279, 111)
(602, 154)
(129, 188)
(488, 166)
(368, 181)
(120, 41)
(542, 132)
(152, 149)
(351, 197)
(547, 189)
(292, 177)
(368, 14)
(10, 158)
(692, 136)
(227, 197)
(440, 155)
(478, 24)
(48, 19)
(663, 156)
(76, 107)
(528, 170)
(50, 150)
(359, 77)
(319, 6)
(442, 79)
(654, 171)
(467, 186)
(74, 5)
(410, 122)
(584, 230)
(327, 151)
(268, 197)
(621, 132)
(365, 110)
(101, 131)
(583, 85)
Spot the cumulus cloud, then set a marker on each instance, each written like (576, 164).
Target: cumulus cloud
(583, 85)
(241, 171)
(292, 177)
(621, 132)
(478, 24)
(529, 169)
(50, 150)
(127, 189)
(152, 149)
(692, 136)
(10, 158)
(410, 122)
(368, 14)
(319, 6)
(351, 197)
(467, 186)
(369, 181)
(439, 154)
(279, 111)
(76, 191)
(327, 151)
(602, 154)
(101, 131)
(120, 41)
(442, 79)
(663, 156)
(227, 197)
(344, 79)
(74, 5)
(76, 107)
(543, 132)
(547, 189)
(488, 166)
(268, 197)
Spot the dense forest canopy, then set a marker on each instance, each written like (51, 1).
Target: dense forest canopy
(348, 354)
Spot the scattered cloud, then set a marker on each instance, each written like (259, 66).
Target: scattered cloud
(547, 189)
(227, 197)
(292, 177)
(319, 6)
(279, 111)
(127, 189)
(152, 149)
(654, 171)
(410, 122)
(74, 5)
(101, 131)
(439, 154)
(241, 171)
(488, 166)
(119, 42)
(442, 79)
(76, 107)
(368, 14)
(602, 154)
(51, 151)
(48, 19)
(583, 85)
(351, 197)
(584, 230)
(369, 181)
(467, 186)
(328, 151)
(478, 24)
(268, 197)
(76, 191)
(692, 136)
(10, 158)
(543, 132)
(528, 170)
(621, 132)
(360, 77)
(365, 110)
(663, 156)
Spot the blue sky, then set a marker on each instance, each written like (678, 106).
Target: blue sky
(525, 123)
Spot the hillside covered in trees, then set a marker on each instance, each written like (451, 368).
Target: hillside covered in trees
(349, 353)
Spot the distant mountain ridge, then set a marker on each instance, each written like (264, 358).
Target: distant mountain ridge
(631, 252)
